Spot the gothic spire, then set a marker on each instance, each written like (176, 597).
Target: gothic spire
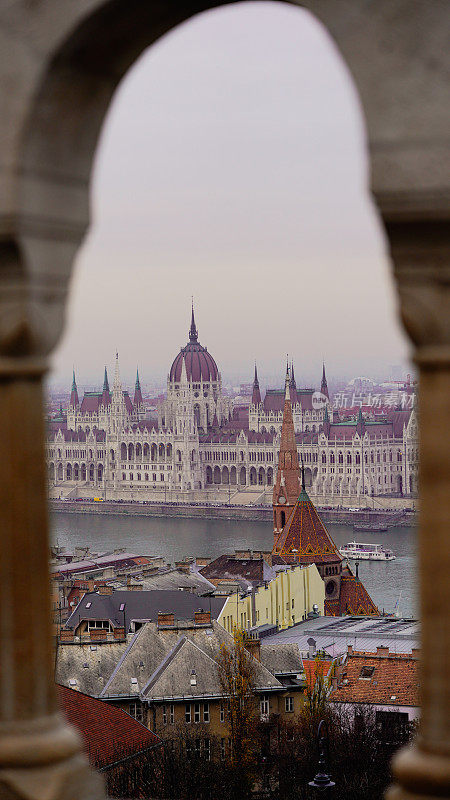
(324, 384)
(256, 394)
(137, 391)
(105, 382)
(287, 485)
(193, 334)
(74, 401)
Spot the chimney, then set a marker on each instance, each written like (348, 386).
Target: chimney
(415, 652)
(66, 635)
(382, 652)
(311, 647)
(350, 650)
(105, 590)
(119, 633)
(253, 645)
(165, 619)
(91, 585)
(202, 618)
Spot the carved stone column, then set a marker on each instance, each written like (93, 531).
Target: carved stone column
(421, 255)
(40, 755)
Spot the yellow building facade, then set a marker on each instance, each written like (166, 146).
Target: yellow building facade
(283, 601)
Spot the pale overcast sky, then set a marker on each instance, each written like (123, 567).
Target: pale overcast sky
(232, 167)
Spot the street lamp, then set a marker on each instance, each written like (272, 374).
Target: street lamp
(322, 782)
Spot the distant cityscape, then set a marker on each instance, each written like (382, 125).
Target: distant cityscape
(197, 443)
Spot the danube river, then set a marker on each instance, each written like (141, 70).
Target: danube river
(175, 537)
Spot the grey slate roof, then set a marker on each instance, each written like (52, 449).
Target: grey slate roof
(334, 634)
(101, 661)
(175, 580)
(282, 659)
(142, 605)
(158, 663)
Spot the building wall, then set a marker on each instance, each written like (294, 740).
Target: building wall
(285, 600)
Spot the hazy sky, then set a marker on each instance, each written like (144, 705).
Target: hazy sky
(232, 167)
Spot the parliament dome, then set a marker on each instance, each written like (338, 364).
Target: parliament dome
(199, 364)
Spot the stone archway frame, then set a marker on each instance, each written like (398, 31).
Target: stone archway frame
(61, 65)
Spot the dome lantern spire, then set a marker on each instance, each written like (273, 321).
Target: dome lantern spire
(193, 334)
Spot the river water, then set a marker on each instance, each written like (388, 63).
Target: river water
(176, 537)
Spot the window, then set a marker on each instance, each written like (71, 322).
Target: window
(206, 712)
(172, 713)
(264, 705)
(222, 717)
(196, 712)
(288, 704)
(366, 672)
(187, 713)
(136, 711)
(164, 715)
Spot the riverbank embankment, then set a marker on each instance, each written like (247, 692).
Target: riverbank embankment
(209, 511)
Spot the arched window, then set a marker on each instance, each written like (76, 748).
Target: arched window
(241, 455)
(357, 458)
(261, 476)
(225, 476)
(123, 451)
(169, 451)
(233, 476)
(253, 477)
(217, 475)
(69, 472)
(76, 472)
(340, 458)
(138, 452)
(100, 472)
(83, 472)
(324, 458)
(349, 458)
(270, 476)
(178, 455)
(399, 455)
(332, 458)
(146, 451)
(242, 477)
(154, 452)
(208, 475)
(91, 472)
(130, 452)
(162, 452)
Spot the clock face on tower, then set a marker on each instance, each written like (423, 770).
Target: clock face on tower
(281, 499)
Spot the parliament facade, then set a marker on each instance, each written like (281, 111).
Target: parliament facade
(106, 446)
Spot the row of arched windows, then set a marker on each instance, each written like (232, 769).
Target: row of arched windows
(145, 452)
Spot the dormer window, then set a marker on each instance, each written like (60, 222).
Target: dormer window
(366, 673)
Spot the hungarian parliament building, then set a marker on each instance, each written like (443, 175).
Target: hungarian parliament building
(202, 443)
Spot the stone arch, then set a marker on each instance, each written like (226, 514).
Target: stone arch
(209, 477)
(68, 472)
(261, 476)
(178, 456)
(83, 472)
(225, 476)
(162, 452)
(253, 477)
(76, 471)
(91, 472)
(270, 476)
(233, 477)
(60, 472)
(146, 451)
(243, 476)
(308, 477)
(217, 475)
(100, 472)
(123, 451)
(154, 452)
(131, 452)
(169, 451)
(47, 167)
(51, 471)
(138, 452)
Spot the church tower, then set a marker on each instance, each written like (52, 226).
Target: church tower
(256, 394)
(287, 485)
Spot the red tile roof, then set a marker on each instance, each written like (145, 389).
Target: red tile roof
(394, 681)
(316, 668)
(108, 732)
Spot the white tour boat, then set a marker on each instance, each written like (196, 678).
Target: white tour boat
(361, 551)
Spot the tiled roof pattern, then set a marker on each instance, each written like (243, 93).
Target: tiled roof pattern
(395, 680)
(108, 733)
(306, 534)
(353, 598)
(316, 668)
